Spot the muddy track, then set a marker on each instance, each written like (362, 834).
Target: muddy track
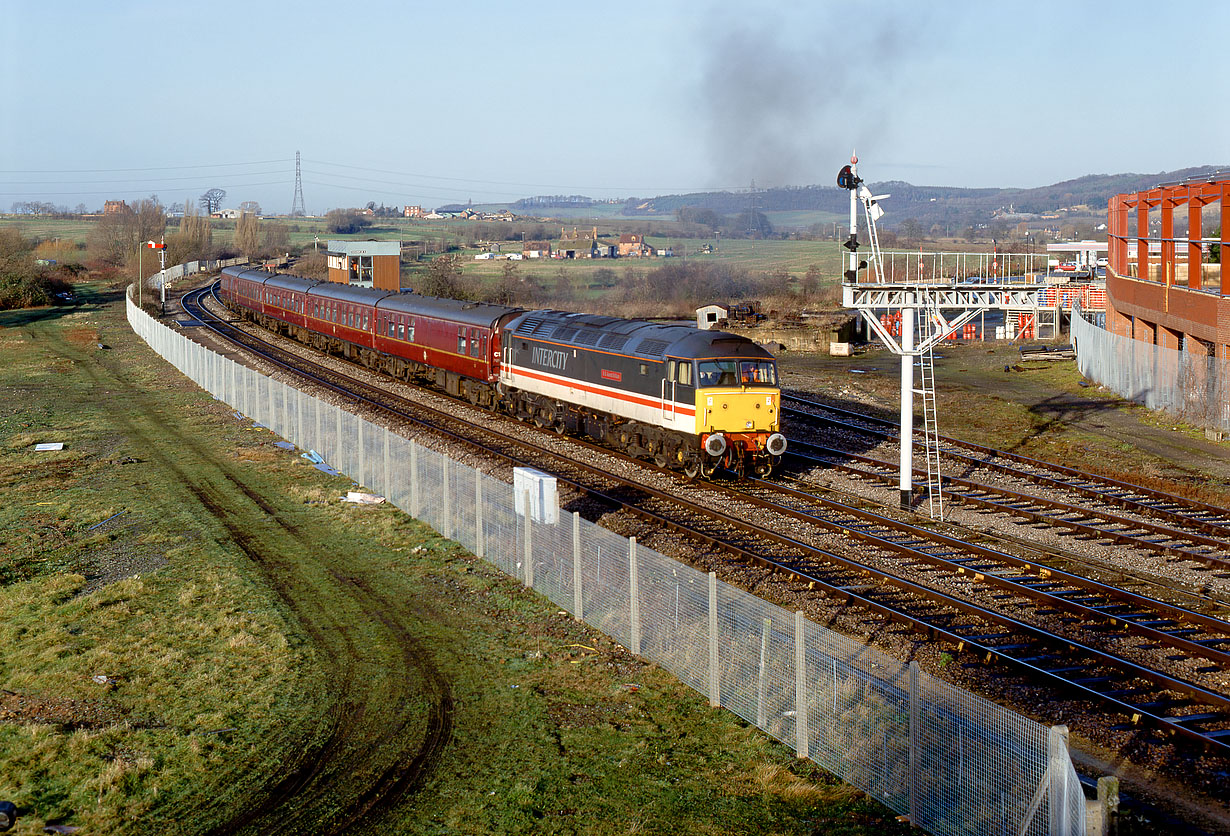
(364, 750)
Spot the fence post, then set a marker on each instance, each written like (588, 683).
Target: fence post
(1105, 808)
(802, 745)
(479, 547)
(360, 474)
(1058, 767)
(576, 567)
(634, 598)
(762, 681)
(529, 552)
(913, 777)
(319, 431)
(715, 676)
(414, 479)
(446, 498)
(387, 473)
(336, 454)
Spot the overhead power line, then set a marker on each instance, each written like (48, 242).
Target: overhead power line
(149, 168)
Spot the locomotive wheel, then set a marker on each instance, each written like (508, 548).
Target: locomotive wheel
(539, 421)
(560, 429)
(763, 468)
(708, 468)
(661, 461)
(692, 468)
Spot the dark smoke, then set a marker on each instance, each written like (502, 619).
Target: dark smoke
(783, 106)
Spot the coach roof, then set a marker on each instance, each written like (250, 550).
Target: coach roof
(477, 314)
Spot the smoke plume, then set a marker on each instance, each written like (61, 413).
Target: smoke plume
(783, 101)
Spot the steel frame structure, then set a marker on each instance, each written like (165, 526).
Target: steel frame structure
(1168, 198)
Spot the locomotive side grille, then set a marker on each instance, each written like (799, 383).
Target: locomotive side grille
(564, 333)
(589, 336)
(613, 341)
(654, 348)
(528, 324)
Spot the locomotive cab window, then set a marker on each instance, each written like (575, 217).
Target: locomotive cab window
(736, 372)
(685, 373)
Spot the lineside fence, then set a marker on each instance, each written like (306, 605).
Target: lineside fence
(1192, 387)
(953, 762)
(190, 268)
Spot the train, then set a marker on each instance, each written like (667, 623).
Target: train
(689, 400)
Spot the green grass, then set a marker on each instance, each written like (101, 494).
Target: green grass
(264, 608)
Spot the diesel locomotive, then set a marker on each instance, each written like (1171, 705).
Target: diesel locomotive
(686, 399)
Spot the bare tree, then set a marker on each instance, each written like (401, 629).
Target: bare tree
(250, 206)
(116, 237)
(443, 278)
(211, 201)
(248, 235)
(194, 239)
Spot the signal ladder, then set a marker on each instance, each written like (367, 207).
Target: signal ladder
(928, 334)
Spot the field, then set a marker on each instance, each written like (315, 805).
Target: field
(189, 616)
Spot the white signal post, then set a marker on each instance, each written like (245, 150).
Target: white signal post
(162, 273)
(848, 179)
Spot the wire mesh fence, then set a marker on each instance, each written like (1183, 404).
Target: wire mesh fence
(1193, 386)
(953, 762)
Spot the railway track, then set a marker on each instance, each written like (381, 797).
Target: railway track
(1057, 630)
(1176, 511)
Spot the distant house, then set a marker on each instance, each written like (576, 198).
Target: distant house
(116, 207)
(226, 214)
(633, 245)
(413, 212)
(537, 249)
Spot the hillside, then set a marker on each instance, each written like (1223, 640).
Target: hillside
(957, 207)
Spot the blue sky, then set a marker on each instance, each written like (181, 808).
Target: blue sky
(431, 103)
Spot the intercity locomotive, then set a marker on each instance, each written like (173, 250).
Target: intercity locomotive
(687, 399)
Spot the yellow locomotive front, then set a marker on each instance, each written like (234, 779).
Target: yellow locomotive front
(738, 413)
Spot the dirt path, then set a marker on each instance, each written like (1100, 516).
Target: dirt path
(388, 711)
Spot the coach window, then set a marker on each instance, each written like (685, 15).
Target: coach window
(461, 341)
(410, 331)
(474, 346)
